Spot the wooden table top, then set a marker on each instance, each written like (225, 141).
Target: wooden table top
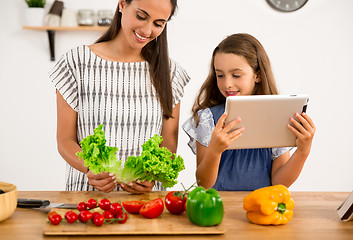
(314, 217)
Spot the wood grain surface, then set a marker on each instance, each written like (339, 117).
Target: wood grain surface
(315, 217)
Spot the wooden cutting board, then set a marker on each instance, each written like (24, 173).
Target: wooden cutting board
(166, 224)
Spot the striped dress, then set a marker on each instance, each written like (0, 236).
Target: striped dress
(116, 94)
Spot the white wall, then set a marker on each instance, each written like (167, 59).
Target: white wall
(311, 52)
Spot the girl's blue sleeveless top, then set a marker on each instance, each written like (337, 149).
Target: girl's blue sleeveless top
(242, 169)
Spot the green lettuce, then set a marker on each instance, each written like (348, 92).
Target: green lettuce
(154, 164)
(97, 156)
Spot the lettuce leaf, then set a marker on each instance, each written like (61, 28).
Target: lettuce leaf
(154, 164)
(97, 156)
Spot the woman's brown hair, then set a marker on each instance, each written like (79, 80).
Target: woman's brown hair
(253, 52)
(156, 54)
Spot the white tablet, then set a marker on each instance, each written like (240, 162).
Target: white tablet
(265, 119)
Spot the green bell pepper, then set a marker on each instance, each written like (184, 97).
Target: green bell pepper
(204, 207)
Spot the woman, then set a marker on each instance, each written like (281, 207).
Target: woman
(124, 81)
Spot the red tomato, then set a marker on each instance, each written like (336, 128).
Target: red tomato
(71, 217)
(91, 203)
(104, 204)
(51, 214)
(81, 206)
(115, 208)
(122, 215)
(175, 202)
(108, 215)
(98, 220)
(67, 213)
(153, 208)
(95, 214)
(133, 207)
(55, 219)
(85, 215)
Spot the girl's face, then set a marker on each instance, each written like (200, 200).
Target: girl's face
(234, 75)
(143, 20)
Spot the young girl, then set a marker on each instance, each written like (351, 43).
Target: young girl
(124, 81)
(240, 66)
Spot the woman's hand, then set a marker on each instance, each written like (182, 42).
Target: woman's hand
(222, 137)
(104, 182)
(304, 129)
(138, 186)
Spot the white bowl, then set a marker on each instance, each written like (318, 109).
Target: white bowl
(8, 200)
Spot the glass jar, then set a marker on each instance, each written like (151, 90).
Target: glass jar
(105, 17)
(85, 17)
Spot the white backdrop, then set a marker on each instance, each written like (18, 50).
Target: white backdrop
(311, 52)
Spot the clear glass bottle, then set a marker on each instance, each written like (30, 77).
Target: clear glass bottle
(105, 17)
(85, 17)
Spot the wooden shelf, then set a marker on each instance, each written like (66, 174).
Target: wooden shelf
(63, 28)
(51, 33)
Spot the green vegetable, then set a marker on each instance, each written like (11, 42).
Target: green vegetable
(97, 156)
(204, 207)
(155, 162)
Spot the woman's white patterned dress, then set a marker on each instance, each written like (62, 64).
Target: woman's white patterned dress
(116, 94)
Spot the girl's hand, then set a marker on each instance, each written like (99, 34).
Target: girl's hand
(138, 186)
(304, 129)
(104, 182)
(222, 137)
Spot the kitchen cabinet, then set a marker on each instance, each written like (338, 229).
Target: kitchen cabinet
(51, 33)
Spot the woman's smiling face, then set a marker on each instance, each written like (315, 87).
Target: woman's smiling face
(143, 20)
(235, 77)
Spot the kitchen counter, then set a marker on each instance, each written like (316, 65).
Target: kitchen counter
(314, 217)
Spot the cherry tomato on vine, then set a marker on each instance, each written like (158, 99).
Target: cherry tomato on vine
(98, 220)
(133, 207)
(122, 215)
(94, 214)
(71, 217)
(91, 203)
(175, 202)
(85, 215)
(55, 219)
(68, 212)
(115, 208)
(81, 206)
(51, 213)
(108, 215)
(104, 204)
(153, 208)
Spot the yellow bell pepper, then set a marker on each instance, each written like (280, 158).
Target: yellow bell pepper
(269, 205)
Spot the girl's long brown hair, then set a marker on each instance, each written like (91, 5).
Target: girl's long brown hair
(156, 54)
(252, 51)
